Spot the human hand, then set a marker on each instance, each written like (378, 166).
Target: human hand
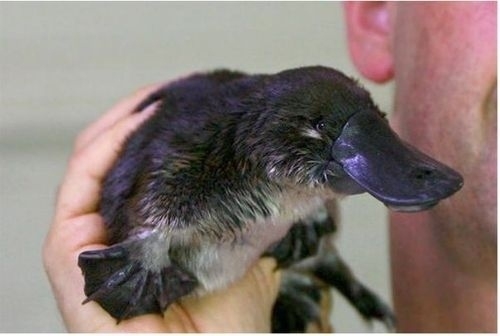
(77, 227)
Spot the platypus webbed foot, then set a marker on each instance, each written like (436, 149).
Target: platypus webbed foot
(124, 288)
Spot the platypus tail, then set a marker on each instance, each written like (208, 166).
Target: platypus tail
(125, 288)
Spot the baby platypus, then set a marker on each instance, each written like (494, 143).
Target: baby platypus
(224, 169)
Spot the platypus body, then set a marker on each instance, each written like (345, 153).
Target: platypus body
(232, 167)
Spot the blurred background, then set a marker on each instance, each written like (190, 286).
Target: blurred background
(63, 64)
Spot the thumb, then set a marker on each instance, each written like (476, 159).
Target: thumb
(245, 306)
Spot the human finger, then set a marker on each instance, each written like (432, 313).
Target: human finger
(120, 110)
(245, 306)
(79, 192)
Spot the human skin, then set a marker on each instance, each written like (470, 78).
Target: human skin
(442, 57)
(245, 306)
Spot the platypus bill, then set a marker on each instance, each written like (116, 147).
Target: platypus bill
(234, 166)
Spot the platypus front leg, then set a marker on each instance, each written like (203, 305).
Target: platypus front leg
(126, 283)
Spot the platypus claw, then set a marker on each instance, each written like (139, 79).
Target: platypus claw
(124, 288)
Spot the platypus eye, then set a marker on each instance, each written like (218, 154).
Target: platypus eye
(319, 125)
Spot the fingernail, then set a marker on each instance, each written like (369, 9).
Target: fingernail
(150, 109)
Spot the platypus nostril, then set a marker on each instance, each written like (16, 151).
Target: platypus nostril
(423, 173)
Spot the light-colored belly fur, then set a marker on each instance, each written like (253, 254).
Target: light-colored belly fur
(216, 265)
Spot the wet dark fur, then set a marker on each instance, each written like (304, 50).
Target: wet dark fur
(221, 128)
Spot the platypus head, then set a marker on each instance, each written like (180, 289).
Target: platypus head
(322, 128)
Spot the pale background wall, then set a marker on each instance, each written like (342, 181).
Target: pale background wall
(63, 64)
